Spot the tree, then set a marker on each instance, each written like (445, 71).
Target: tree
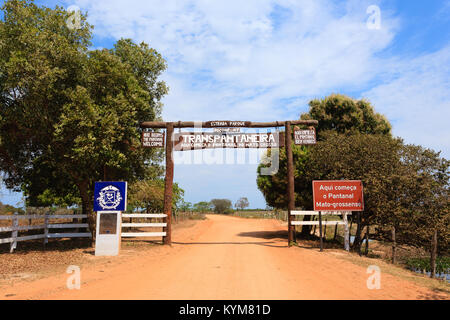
(343, 114)
(221, 205)
(336, 113)
(373, 159)
(149, 195)
(426, 221)
(405, 187)
(70, 117)
(203, 206)
(184, 206)
(242, 203)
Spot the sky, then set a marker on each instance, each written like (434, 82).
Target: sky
(264, 60)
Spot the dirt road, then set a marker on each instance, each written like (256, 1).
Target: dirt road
(223, 258)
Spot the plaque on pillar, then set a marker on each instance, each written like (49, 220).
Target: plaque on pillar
(110, 199)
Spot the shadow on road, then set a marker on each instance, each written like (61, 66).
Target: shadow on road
(267, 235)
(281, 234)
(266, 244)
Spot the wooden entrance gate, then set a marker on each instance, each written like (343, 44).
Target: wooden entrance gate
(170, 126)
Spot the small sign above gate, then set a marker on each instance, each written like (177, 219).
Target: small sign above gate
(153, 139)
(302, 137)
(227, 130)
(226, 124)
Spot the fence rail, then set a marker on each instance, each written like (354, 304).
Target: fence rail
(144, 225)
(46, 226)
(316, 223)
(344, 222)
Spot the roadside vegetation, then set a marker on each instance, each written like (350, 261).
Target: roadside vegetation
(406, 187)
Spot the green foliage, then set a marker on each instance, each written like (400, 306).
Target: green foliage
(69, 116)
(185, 206)
(203, 206)
(149, 195)
(242, 203)
(343, 114)
(336, 113)
(373, 159)
(442, 264)
(221, 205)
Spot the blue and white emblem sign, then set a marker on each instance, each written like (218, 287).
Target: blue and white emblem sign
(110, 196)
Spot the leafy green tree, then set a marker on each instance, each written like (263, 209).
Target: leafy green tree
(221, 205)
(336, 113)
(149, 195)
(373, 159)
(203, 206)
(343, 114)
(69, 116)
(424, 198)
(242, 203)
(41, 61)
(184, 206)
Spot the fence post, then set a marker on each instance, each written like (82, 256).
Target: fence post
(320, 231)
(346, 233)
(45, 229)
(15, 225)
(335, 232)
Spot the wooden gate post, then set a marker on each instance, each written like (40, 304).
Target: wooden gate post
(290, 177)
(168, 188)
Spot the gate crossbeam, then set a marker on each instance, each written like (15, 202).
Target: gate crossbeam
(248, 124)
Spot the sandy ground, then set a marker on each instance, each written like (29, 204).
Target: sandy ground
(222, 258)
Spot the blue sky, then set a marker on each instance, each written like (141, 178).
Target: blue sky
(263, 60)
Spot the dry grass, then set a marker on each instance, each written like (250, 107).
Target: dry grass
(399, 271)
(379, 254)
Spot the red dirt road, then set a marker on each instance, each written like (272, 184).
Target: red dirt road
(223, 258)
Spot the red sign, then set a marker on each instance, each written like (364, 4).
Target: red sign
(338, 195)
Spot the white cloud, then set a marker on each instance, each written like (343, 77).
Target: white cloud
(416, 98)
(241, 57)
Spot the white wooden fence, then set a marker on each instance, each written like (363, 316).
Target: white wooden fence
(344, 221)
(46, 227)
(143, 225)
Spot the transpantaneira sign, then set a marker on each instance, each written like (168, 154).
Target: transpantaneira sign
(153, 139)
(338, 195)
(186, 141)
(302, 137)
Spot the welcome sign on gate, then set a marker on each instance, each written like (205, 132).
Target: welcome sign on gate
(338, 195)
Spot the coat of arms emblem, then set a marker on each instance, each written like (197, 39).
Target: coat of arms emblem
(109, 198)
